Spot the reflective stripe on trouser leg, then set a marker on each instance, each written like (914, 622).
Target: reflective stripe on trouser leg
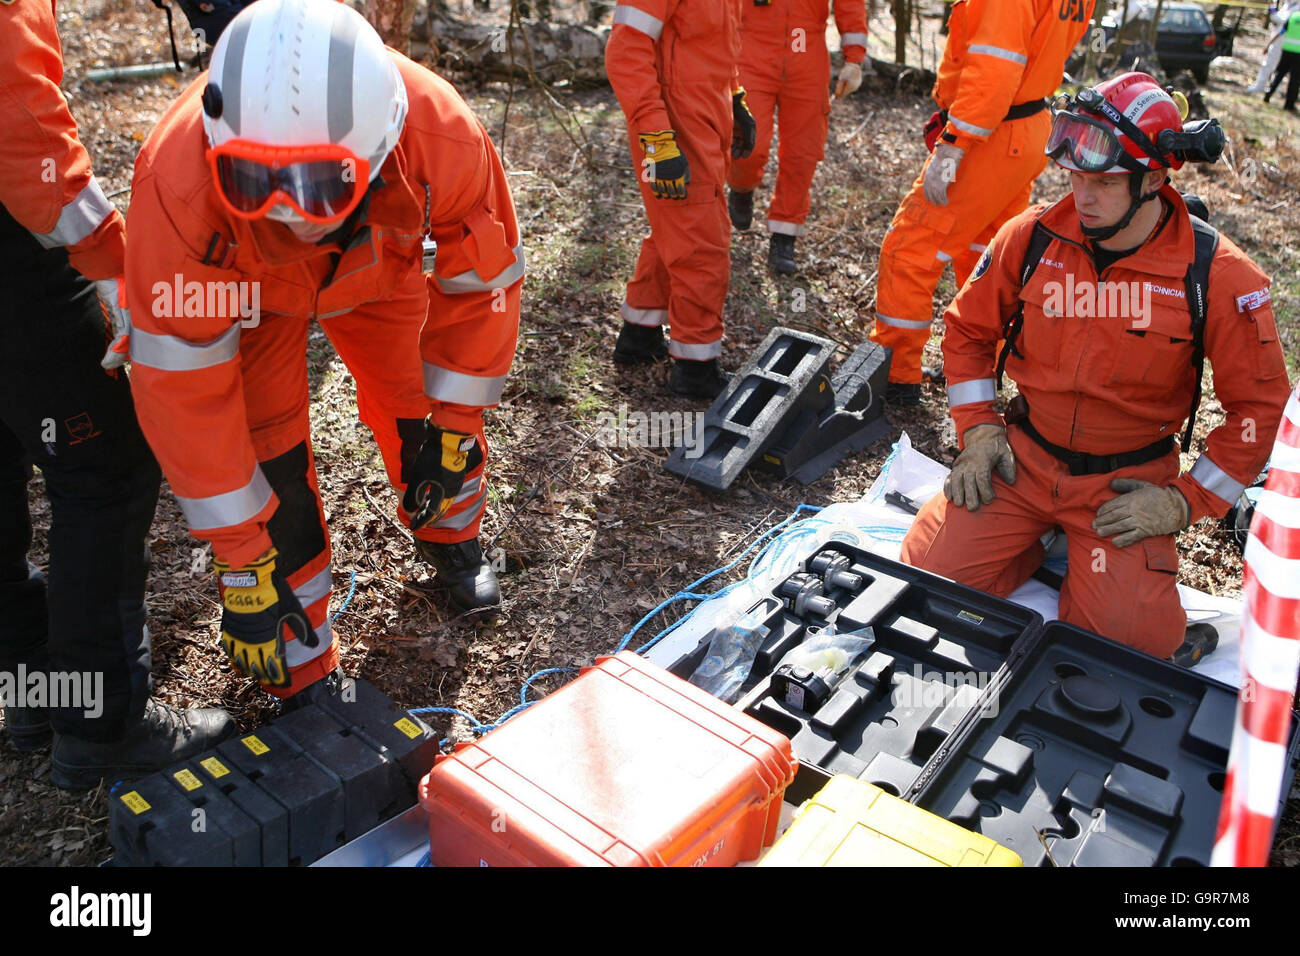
(646, 301)
(802, 126)
(746, 175)
(462, 520)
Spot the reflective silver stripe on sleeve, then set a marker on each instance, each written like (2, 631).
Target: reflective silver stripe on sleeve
(693, 352)
(977, 247)
(976, 390)
(469, 491)
(1215, 480)
(444, 385)
(470, 282)
(643, 316)
(969, 127)
(943, 256)
(853, 39)
(465, 518)
(170, 354)
(297, 653)
(637, 19)
(228, 509)
(784, 228)
(79, 218)
(314, 588)
(902, 323)
(999, 52)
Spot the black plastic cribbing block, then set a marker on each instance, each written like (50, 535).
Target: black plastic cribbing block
(373, 785)
(312, 795)
(386, 728)
(152, 823)
(788, 375)
(271, 817)
(818, 438)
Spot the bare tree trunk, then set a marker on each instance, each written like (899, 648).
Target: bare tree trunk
(391, 20)
(902, 20)
(1155, 22)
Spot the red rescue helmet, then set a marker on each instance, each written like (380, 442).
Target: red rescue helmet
(1117, 127)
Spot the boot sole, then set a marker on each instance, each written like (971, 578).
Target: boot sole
(638, 358)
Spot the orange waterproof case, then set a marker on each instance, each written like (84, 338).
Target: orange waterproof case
(626, 766)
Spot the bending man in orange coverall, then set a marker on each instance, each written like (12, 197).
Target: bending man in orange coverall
(672, 65)
(294, 182)
(1107, 371)
(1002, 58)
(784, 65)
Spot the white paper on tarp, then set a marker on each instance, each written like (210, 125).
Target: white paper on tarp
(874, 525)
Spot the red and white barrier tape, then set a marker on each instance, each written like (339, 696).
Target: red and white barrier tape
(1270, 658)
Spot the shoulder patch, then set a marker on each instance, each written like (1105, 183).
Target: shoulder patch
(982, 266)
(1253, 300)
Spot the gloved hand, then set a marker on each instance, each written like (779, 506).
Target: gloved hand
(849, 81)
(116, 316)
(941, 172)
(257, 603)
(667, 167)
(1142, 510)
(438, 473)
(970, 483)
(933, 127)
(744, 128)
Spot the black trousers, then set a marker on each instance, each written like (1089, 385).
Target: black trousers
(60, 411)
(1289, 65)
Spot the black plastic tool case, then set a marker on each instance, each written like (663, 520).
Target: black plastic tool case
(1092, 754)
(1066, 747)
(936, 645)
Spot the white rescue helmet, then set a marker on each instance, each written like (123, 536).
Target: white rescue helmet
(304, 73)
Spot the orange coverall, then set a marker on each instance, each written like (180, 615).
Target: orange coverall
(784, 65)
(1000, 53)
(672, 65)
(1102, 384)
(226, 407)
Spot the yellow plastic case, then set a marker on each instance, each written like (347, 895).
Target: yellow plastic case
(852, 823)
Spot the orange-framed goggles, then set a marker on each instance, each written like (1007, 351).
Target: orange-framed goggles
(323, 184)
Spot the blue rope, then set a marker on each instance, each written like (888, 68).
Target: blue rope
(528, 682)
(424, 860)
(352, 587)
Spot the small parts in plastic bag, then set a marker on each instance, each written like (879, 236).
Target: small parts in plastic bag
(731, 653)
(807, 676)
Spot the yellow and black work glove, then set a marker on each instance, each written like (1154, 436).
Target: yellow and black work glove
(970, 483)
(257, 603)
(1142, 510)
(435, 477)
(744, 129)
(665, 165)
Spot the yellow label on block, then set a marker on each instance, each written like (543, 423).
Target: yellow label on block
(771, 459)
(255, 745)
(408, 727)
(215, 767)
(187, 780)
(135, 803)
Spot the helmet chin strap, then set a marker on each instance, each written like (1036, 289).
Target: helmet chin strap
(1136, 202)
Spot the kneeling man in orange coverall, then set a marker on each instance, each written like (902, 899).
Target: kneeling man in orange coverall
(294, 181)
(1103, 345)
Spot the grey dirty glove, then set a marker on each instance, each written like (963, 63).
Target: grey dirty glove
(118, 321)
(1142, 510)
(970, 483)
(941, 172)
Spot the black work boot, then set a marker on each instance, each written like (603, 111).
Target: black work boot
(639, 343)
(740, 206)
(697, 379)
(467, 576)
(902, 393)
(780, 254)
(160, 737)
(29, 728)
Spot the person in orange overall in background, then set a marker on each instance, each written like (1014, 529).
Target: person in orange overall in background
(672, 65)
(1002, 58)
(1104, 380)
(784, 65)
(294, 181)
